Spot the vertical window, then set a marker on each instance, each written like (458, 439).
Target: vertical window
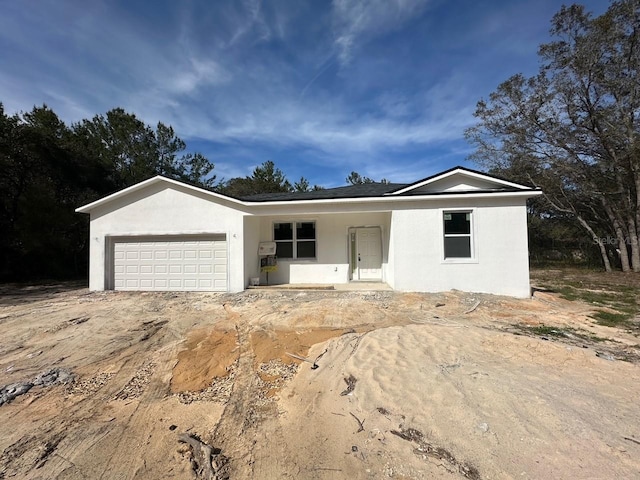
(457, 235)
(283, 236)
(305, 240)
(295, 239)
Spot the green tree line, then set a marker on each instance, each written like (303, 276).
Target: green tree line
(47, 169)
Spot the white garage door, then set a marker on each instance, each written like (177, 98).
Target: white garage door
(176, 264)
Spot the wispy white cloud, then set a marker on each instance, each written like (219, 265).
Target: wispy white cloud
(194, 74)
(358, 21)
(250, 20)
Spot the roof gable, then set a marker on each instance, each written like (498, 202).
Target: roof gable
(152, 181)
(459, 180)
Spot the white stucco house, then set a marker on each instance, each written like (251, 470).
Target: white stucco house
(460, 229)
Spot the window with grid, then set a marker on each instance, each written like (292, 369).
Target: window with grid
(458, 241)
(295, 240)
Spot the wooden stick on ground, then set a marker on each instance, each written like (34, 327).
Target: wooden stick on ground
(473, 308)
(632, 440)
(360, 423)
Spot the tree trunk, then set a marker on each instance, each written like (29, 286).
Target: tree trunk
(636, 231)
(598, 240)
(635, 248)
(620, 235)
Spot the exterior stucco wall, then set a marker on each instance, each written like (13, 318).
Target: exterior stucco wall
(331, 264)
(164, 210)
(500, 264)
(251, 243)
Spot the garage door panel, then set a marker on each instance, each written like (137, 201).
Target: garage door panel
(205, 268)
(205, 254)
(179, 263)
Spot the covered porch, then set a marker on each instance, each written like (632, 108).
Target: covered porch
(325, 249)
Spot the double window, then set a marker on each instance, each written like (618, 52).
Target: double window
(458, 241)
(295, 239)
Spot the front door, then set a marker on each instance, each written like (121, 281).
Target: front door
(368, 254)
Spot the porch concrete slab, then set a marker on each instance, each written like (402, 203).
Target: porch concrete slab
(345, 287)
(292, 286)
(363, 286)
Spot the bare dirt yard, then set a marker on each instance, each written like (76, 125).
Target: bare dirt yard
(119, 385)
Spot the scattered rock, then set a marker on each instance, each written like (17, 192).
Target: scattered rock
(53, 376)
(219, 391)
(9, 392)
(45, 379)
(483, 427)
(88, 386)
(137, 384)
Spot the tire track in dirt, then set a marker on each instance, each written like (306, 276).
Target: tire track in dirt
(239, 434)
(232, 434)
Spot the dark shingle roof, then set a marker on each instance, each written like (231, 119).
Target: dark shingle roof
(378, 190)
(350, 191)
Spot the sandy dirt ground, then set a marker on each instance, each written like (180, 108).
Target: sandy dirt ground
(404, 386)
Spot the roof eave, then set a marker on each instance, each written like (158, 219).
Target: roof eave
(406, 198)
(378, 199)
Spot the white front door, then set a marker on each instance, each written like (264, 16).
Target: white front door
(368, 254)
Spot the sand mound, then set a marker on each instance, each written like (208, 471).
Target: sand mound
(466, 401)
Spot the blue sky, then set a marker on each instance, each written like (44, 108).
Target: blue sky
(322, 88)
